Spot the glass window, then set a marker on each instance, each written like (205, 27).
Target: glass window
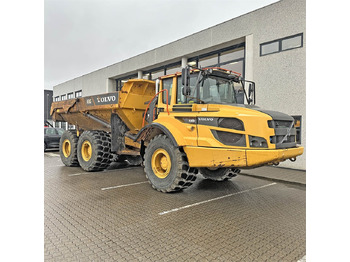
(57, 98)
(216, 90)
(237, 67)
(231, 55)
(270, 48)
(64, 125)
(70, 96)
(63, 97)
(173, 70)
(192, 63)
(282, 44)
(78, 93)
(211, 90)
(60, 131)
(290, 43)
(180, 98)
(167, 84)
(157, 74)
(234, 66)
(209, 61)
(147, 76)
(50, 131)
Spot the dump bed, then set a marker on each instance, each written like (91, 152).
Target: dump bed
(95, 112)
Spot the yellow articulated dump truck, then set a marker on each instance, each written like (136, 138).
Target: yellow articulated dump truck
(178, 126)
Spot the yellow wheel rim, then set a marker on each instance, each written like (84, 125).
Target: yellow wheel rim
(86, 150)
(66, 148)
(161, 163)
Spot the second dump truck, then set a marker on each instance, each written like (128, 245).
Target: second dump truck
(178, 126)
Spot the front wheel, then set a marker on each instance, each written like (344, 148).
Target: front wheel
(219, 174)
(166, 167)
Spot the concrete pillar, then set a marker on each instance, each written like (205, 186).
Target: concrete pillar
(139, 74)
(183, 62)
(111, 85)
(249, 57)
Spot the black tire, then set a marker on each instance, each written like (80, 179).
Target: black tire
(178, 176)
(68, 148)
(94, 150)
(219, 174)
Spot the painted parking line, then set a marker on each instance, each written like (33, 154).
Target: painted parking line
(214, 199)
(303, 259)
(104, 171)
(133, 184)
(52, 154)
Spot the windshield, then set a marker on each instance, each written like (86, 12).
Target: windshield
(212, 90)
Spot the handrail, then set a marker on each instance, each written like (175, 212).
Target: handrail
(167, 103)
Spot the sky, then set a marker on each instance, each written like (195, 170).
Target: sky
(82, 36)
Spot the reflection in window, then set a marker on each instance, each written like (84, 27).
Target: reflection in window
(209, 61)
(157, 74)
(147, 76)
(231, 55)
(173, 70)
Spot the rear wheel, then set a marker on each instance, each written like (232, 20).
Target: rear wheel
(94, 150)
(219, 174)
(68, 148)
(166, 167)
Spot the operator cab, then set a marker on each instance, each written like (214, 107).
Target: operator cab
(206, 86)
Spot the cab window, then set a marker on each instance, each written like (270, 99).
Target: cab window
(180, 98)
(167, 84)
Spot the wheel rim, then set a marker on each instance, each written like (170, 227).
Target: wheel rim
(161, 163)
(66, 148)
(86, 150)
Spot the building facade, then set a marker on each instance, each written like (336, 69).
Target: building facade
(267, 46)
(47, 105)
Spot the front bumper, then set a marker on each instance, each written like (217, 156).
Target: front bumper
(241, 158)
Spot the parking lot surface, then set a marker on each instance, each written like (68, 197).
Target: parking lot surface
(115, 215)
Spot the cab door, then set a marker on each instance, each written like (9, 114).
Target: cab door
(182, 118)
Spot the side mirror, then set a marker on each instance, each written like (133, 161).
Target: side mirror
(186, 76)
(186, 90)
(251, 92)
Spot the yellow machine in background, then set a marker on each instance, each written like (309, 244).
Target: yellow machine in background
(183, 124)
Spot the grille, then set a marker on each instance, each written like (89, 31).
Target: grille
(278, 139)
(279, 123)
(285, 133)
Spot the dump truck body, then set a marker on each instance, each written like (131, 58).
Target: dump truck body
(115, 113)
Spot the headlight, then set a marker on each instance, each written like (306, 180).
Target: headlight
(256, 141)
